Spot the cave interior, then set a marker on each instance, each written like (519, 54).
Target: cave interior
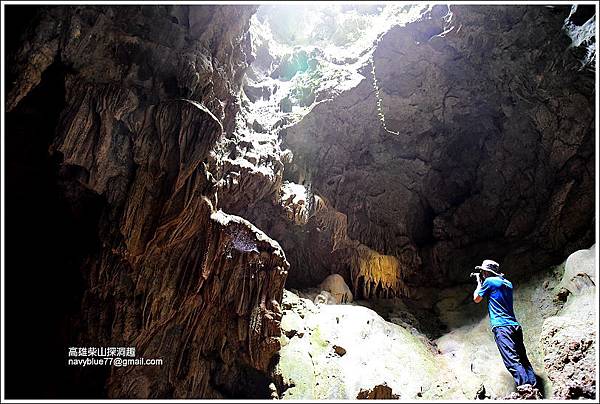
(222, 185)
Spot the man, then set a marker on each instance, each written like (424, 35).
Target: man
(507, 330)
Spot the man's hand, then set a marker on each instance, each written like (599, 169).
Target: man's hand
(476, 297)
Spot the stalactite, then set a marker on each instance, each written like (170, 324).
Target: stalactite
(377, 272)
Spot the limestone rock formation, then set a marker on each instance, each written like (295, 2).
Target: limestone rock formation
(559, 338)
(335, 285)
(569, 339)
(376, 352)
(148, 93)
(580, 275)
(470, 134)
(525, 392)
(324, 297)
(456, 113)
(228, 302)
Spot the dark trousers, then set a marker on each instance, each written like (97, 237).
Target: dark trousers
(509, 339)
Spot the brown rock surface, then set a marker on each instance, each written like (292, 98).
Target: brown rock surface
(379, 392)
(335, 285)
(148, 92)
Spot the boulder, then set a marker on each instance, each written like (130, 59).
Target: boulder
(525, 392)
(347, 349)
(336, 285)
(580, 271)
(569, 338)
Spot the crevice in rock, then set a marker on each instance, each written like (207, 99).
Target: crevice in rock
(581, 14)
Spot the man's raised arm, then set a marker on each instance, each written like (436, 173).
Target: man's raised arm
(476, 297)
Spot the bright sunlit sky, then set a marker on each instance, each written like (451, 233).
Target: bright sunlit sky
(337, 38)
(335, 28)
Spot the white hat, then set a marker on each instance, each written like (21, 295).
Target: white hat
(490, 266)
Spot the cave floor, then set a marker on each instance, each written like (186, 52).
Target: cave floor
(443, 352)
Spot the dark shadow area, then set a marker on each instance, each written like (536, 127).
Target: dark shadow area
(582, 14)
(540, 385)
(249, 383)
(47, 239)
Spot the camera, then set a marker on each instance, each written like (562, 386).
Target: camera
(475, 274)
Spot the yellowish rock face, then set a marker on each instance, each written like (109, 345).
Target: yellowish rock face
(377, 273)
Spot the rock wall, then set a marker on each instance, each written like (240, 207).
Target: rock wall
(471, 134)
(148, 93)
(569, 339)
